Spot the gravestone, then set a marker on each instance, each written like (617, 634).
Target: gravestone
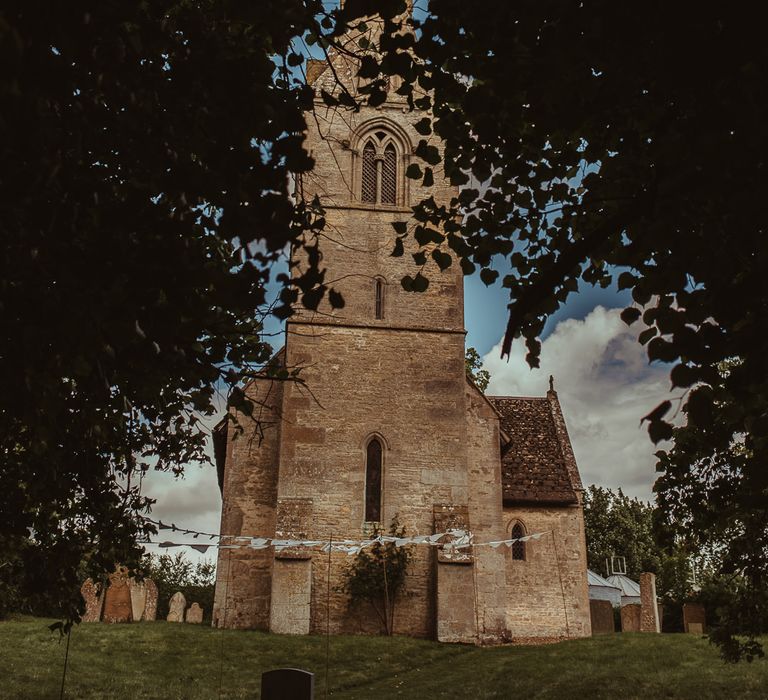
(694, 618)
(194, 614)
(287, 684)
(649, 612)
(93, 601)
(176, 607)
(117, 603)
(601, 616)
(138, 591)
(150, 607)
(630, 617)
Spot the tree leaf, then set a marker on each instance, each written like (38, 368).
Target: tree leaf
(420, 283)
(657, 413)
(336, 299)
(630, 315)
(443, 260)
(413, 171)
(424, 126)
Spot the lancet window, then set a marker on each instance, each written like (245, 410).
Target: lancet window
(373, 474)
(378, 298)
(518, 548)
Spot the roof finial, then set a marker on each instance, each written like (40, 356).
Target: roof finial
(551, 382)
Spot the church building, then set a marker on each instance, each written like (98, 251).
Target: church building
(387, 423)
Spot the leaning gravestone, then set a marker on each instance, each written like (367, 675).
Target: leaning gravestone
(176, 607)
(601, 616)
(93, 601)
(195, 614)
(138, 591)
(287, 684)
(117, 602)
(150, 607)
(630, 617)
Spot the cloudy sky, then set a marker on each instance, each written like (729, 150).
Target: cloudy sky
(601, 375)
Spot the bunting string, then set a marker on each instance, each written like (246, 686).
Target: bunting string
(452, 539)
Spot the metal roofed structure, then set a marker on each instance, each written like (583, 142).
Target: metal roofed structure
(630, 590)
(602, 589)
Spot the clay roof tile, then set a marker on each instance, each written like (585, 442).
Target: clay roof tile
(535, 464)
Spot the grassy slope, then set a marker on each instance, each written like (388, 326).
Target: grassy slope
(160, 660)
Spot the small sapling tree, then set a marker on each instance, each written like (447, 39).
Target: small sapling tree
(377, 575)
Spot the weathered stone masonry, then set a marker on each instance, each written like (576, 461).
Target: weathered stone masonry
(393, 370)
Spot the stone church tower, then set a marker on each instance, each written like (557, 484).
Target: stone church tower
(389, 425)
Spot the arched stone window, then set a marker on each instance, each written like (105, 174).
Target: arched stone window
(518, 548)
(378, 298)
(380, 151)
(373, 474)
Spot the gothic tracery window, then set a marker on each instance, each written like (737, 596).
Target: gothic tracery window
(373, 462)
(378, 172)
(518, 548)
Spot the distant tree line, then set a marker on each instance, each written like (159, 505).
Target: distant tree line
(197, 581)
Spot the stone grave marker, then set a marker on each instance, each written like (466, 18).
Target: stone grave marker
(630, 617)
(93, 600)
(138, 591)
(117, 602)
(287, 684)
(194, 614)
(176, 607)
(601, 616)
(694, 618)
(150, 607)
(649, 611)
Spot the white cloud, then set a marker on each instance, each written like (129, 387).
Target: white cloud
(605, 386)
(192, 502)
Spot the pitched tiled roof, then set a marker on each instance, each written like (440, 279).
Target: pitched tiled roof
(537, 465)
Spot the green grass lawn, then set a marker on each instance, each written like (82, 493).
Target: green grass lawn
(161, 660)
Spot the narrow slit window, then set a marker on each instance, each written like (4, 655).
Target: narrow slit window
(373, 482)
(378, 287)
(389, 176)
(369, 175)
(518, 548)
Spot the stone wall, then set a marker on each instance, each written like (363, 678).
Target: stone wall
(249, 496)
(547, 594)
(386, 383)
(485, 514)
(359, 237)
